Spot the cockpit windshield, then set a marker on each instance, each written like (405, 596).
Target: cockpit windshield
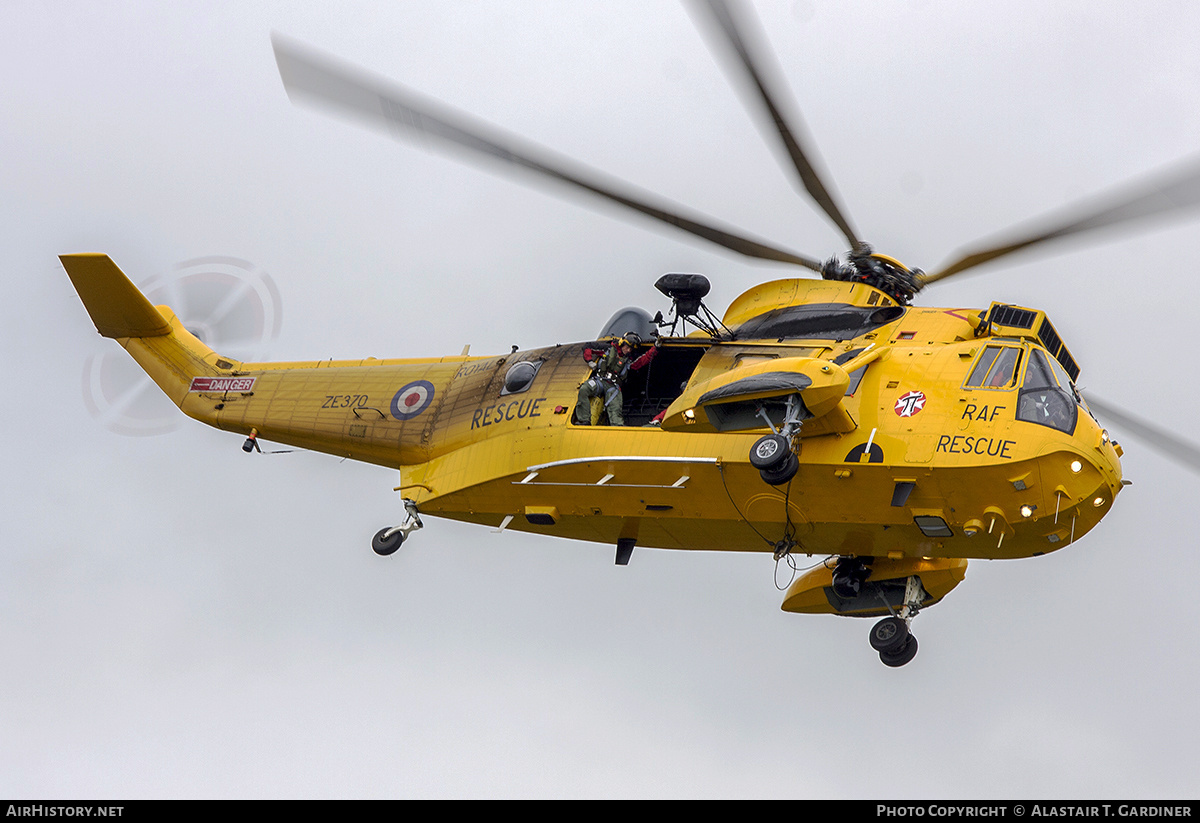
(1047, 395)
(1064, 379)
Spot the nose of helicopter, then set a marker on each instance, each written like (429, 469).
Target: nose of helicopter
(1105, 455)
(1108, 466)
(1087, 478)
(1109, 461)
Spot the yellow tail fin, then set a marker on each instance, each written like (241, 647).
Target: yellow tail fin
(117, 307)
(155, 337)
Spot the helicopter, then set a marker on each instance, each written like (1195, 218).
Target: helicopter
(819, 416)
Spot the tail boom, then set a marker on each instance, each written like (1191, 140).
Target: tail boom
(358, 408)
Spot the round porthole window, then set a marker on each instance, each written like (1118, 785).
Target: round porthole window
(519, 376)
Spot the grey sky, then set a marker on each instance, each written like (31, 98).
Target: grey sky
(179, 619)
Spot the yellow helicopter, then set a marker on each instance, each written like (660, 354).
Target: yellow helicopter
(814, 416)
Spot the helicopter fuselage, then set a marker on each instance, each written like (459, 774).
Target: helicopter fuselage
(934, 448)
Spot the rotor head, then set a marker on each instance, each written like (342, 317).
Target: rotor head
(885, 273)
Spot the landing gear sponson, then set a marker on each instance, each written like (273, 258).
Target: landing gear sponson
(387, 540)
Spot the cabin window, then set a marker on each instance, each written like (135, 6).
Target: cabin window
(995, 369)
(519, 377)
(753, 359)
(1043, 398)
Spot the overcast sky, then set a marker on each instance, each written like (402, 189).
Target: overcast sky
(180, 619)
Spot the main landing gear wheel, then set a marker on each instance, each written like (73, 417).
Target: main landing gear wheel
(784, 473)
(889, 635)
(772, 455)
(769, 452)
(384, 543)
(898, 658)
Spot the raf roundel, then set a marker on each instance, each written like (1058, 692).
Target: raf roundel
(412, 400)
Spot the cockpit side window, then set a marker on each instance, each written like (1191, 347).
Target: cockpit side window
(996, 368)
(1004, 369)
(981, 368)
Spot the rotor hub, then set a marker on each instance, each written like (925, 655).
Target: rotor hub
(885, 273)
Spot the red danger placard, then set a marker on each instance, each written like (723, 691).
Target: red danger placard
(222, 384)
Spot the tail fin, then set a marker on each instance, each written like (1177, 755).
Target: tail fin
(155, 337)
(117, 307)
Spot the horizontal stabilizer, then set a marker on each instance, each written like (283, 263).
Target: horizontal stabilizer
(116, 306)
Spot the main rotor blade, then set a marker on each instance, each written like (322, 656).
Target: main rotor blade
(1168, 194)
(1165, 443)
(745, 39)
(319, 79)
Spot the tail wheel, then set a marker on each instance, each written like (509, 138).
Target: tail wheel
(385, 544)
